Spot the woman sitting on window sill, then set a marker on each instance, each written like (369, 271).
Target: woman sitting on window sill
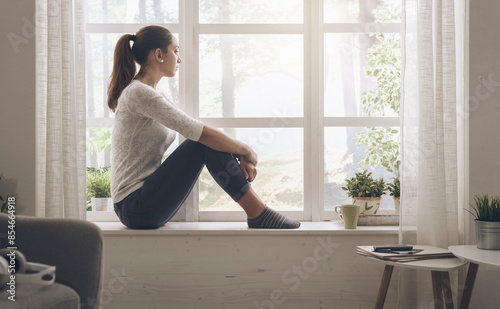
(147, 193)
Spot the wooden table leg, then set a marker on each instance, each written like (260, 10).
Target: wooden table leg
(384, 286)
(448, 296)
(437, 288)
(469, 285)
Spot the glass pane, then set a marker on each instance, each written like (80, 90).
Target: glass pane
(251, 75)
(280, 178)
(362, 74)
(346, 155)
(98, 147)
(99, 62)
(133, 11)
(251, 11)
(362, 11)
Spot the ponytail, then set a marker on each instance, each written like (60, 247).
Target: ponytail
(123, 69)
(147, 38)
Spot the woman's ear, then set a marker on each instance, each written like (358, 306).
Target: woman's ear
(158, 55)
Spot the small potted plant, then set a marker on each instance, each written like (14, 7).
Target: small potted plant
(99, 188)
(487, 220)
(393, 188)
(365, 192)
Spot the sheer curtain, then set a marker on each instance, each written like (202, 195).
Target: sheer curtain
(60, 117)
(433, 118)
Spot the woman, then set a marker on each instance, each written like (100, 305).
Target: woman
(147, 194)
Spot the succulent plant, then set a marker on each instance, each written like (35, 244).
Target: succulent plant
(363, 185)
(486, 208)
(393, 187)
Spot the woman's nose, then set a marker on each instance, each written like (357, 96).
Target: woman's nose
(179, 60)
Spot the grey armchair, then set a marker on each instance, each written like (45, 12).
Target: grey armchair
(74, 246)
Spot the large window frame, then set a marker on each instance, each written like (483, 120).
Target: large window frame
(313, 122)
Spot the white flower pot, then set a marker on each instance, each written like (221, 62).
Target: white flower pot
(397, 204)
(367, 205)
(101, 204)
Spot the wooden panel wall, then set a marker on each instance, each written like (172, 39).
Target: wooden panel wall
(243, 272)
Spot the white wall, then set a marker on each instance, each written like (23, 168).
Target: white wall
(484, 127)
(17, 107)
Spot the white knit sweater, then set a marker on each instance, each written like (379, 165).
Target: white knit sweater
(144, 127)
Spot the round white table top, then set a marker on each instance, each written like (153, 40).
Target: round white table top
(440, 264)
(472, 254)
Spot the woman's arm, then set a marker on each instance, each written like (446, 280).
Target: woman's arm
(220, 141)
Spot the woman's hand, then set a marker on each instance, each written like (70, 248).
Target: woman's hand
(248, 168)
(250, 156)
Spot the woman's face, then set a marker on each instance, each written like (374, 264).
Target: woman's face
(172, 59)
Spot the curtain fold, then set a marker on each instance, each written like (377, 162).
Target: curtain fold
(432, 138)
(60, 117)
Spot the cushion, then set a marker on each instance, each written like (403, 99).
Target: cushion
(55, 296)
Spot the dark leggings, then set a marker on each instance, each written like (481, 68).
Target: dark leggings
(164, 191)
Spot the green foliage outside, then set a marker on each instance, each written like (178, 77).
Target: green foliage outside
(384, 67)
(98, 139)
(98, 183)
(486, 208)
(363, 185)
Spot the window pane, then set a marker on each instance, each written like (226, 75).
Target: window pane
(362, 11)
(251, 75)
(345, 155)
(280, 178)
(362, 75)
(251, 11)
(133, 11)
(99, 62)
(98, 147)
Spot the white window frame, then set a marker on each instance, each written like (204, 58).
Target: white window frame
(313, 121)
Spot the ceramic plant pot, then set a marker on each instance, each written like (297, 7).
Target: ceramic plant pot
(397, 204)
(367, 205)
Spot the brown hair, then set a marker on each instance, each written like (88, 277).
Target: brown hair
(147, 38)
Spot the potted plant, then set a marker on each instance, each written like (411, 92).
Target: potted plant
(99, 188)
(393, 188)
(487, 221)
(365, 192)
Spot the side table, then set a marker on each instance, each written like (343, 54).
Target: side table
(475, 256)
(440, 278)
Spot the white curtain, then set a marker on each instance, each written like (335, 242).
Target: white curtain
(433, 117)
(60, 117)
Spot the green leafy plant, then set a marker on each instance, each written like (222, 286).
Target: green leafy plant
(384, 68)
(98, 139)
(363, 185)
(98, 182)
(393, 187)
(486, 208)
(383, 148)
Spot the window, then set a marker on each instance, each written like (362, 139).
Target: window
(309, 85)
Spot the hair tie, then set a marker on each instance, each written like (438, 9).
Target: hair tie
(132, 37)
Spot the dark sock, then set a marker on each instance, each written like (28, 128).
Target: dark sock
(271, 219)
